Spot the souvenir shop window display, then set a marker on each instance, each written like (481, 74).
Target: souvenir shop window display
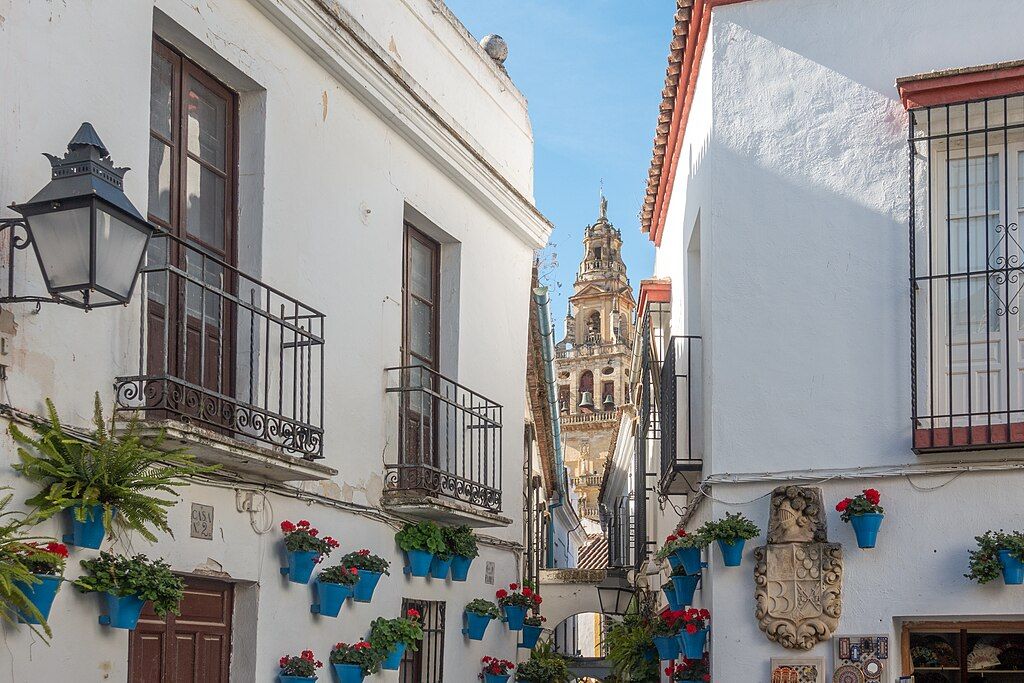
(968, 652)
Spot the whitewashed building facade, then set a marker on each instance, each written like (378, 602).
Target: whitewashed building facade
(347, 188)
(835, 303)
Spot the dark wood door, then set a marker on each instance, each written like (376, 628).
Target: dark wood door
(192, 648)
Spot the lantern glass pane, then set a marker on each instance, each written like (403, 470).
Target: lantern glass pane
(119, 247)
(62, 242)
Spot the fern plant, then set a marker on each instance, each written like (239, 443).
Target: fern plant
(631, 644)
(15, 572)
(117, 471)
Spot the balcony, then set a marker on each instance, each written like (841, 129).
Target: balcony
(589, 418)
(227, 365)
(447, 464)
(681, 415)
(591, 350)
(591, 480)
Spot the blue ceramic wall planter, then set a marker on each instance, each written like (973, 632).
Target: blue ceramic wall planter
(1013, 568)
(439, 568)
(693, 643)
(667, 647)
(300, 566)
(330, 596)
(460, 567)
(530, 636)
(394, 658)
(669, 589)
(122, 611)
(496, 678)
(865, 526)
(418, 562)
(732, 552)
(690, 558)
(514, 616)
(88, 533)
(674, 562)
(349, 673)
(295, 679)
(363, 590)
(41, 595)
(476, 625)
(686, 586)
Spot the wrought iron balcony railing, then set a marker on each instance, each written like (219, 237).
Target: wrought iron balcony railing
(449, 439)
(680, 413)
(226, 352)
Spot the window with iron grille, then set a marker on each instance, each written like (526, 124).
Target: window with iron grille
(967, 263)
(426, 665)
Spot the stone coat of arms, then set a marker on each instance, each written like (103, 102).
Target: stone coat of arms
(798, 576)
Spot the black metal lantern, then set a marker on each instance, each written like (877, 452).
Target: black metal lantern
(88, 237)
(615, 592)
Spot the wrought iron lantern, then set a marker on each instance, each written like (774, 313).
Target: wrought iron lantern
(88, 237)
(615, 592)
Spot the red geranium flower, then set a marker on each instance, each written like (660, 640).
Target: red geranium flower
(514, 586)
(691, 628)
(287, 527)
(57, 549)
(303, 522)
(412, 614)
(502, 593)
(843, 504)
(283, 661)
(527, 591)
(537, 599)
(873, 496)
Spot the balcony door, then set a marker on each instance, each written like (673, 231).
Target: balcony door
(420, 347)
(190, 316)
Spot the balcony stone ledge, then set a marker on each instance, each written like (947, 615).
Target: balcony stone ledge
(422, 506)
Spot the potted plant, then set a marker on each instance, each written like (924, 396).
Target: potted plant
(479, 613)
(685, 585)
(533, 626)
(463, 547)
(333, 586)
(631, 647)
(391, 637)
(669, 589)
(998, 553)
(441, 563)
(683, 549)
(93, 479)
(732, 532)
(496, 670)
(304, 549)
(544, 666)
(420, 542)
(864, 514)
(301, 668)
(689, 670)
(46, 563)
(371, 567)
(126, 583)
(352, 663)
(668, 552)
(665, 632)
(14, 573)
(515, 602)
(696, 624)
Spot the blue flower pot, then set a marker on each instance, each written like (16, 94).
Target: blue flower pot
(349, 673)
(669, 590)
(300, 566)
(41, 596)
(394, 658)
(460, 567)
(685, 586)
(732, 552)
(530, 636)
(667, 646)
(295, 679)
(121, 611)
(1013, 569)
(674, 561)
(439, 568)
(866, 528)
(87, 534)
(693, 643)
(496, 678)
(331, 597)
(418, 562)
(690, 557)
(476, 625)
(363, 590)
(514, 615)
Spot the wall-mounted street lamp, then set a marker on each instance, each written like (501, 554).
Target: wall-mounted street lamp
(88, 237)
(615, 592)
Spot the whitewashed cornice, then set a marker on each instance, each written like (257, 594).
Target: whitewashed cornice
(338, 43)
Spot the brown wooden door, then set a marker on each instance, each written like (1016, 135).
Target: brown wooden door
(192, 648)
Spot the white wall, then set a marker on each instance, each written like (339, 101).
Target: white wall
(327, 181)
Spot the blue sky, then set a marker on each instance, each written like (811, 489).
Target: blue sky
(592, 71)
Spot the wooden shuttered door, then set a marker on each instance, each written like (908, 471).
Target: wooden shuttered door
(194, 647)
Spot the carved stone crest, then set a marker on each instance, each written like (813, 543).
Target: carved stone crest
(798, 576)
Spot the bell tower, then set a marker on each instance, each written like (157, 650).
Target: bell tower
(592, 359)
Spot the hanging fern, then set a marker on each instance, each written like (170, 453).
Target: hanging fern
(631, 643)
(13, 570)
(116, 470)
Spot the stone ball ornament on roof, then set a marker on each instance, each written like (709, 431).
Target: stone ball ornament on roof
(495, 47)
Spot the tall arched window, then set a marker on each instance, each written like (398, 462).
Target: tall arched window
(587, 382)
(594, 327)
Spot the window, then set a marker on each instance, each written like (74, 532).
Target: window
(420, 285)
(426, 665)
(962, 652)
(608, 395)
(967, 188)
(586, 384)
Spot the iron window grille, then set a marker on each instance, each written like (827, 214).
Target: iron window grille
(680, 409)
(966, 168)
(426, 665)
(449, 439)
(222, 350)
